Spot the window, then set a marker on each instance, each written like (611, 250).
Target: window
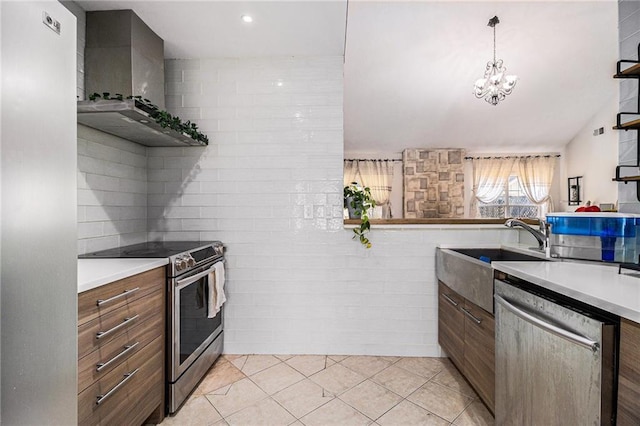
(511, 203)
(379, 176)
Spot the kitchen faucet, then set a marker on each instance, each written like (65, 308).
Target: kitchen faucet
(542, 235)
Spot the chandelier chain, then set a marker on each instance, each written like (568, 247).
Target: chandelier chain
(494, 44)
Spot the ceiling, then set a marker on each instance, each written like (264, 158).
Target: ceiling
(410, 69)
(410, 65)
(209, 29)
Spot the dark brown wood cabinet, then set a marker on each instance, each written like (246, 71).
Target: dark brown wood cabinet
(479, 351)
(121, 351)
(466, 333)
(629, 374)
(451, 324)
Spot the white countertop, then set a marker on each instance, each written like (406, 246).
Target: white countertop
(93, 273)
(595, 284)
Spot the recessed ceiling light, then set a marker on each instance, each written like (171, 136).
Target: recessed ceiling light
(246, 18)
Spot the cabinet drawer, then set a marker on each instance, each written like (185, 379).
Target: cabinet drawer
(117, 294)
(122, 395)
(479, 352)
(451, 323)
(122, 320)
(118, 350)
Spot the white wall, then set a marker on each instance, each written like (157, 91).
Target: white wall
(81, 30)
(594, 158)
(270, 187)
(112, 191)
(112, 175)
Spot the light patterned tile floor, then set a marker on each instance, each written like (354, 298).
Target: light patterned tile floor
(307, 390)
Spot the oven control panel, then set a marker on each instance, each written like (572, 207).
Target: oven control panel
(184, 261)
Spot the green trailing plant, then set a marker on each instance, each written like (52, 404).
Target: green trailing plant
(106, 96)
(359, 201)
(162, 117)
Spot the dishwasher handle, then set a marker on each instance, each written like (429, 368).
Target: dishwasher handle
(551, 328)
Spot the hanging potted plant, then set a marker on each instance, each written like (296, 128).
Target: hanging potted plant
(358, 201)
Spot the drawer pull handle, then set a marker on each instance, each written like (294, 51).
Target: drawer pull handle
(101, 366)
(450, 300)
(127, 321)
(102, 398)
(126, 293)
(470, 315)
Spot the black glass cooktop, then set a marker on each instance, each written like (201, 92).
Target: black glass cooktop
(152, 249)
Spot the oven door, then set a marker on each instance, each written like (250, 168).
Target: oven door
(191, 329)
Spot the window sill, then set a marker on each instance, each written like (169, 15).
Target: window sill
(435, 222)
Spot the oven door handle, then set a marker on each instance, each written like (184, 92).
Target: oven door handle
(190, 280)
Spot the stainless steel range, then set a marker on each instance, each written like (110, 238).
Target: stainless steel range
(194, 335)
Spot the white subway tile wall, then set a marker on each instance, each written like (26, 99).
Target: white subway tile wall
(112, 191)
(81, 24)
(629, 37)
(269, 186)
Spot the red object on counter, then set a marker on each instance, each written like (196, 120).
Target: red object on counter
(588, 209)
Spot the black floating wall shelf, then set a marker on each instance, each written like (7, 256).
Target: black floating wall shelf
(629, 69)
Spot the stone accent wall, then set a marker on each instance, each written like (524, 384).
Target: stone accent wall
(433, 183)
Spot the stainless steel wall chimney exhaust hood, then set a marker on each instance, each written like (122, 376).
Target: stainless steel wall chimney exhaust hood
(123, 55)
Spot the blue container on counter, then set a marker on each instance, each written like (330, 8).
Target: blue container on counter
(615, 230)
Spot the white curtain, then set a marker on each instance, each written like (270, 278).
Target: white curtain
(350, 172)
(490, 176)
(378, 175)
(535, 176)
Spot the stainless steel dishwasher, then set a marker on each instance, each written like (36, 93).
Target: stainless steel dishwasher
(556, 358)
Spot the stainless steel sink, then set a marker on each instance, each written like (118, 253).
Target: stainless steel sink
(468, 271)
(496, 255)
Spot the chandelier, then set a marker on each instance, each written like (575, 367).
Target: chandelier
(495, 85)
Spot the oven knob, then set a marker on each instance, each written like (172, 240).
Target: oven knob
(218, 249)
(180, 264)
(191, 261)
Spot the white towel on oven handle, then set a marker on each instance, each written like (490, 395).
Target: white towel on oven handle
(216, 290)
